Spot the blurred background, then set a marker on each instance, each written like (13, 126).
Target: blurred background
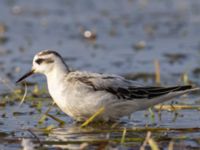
(127, 37)
(105, 36)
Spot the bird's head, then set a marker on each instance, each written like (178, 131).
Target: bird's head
(45, 62)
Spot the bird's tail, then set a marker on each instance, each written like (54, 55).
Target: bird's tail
(178, 91)
(115, 110)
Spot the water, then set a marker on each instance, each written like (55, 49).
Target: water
(168, 30)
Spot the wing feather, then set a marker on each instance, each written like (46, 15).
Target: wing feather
(121, 87)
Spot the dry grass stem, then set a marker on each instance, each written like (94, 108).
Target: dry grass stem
(175, 107)
(25, 93)
(148, 140)
(171, 145)
(157, 71)
(145, 141)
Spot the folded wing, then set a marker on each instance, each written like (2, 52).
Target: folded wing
(121, 87)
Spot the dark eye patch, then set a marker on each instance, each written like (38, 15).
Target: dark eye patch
(49, 60)
(40, 60)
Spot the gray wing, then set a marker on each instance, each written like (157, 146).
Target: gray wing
(121, 87)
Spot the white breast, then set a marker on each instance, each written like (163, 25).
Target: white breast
(59, 94)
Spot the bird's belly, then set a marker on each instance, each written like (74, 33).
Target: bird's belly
(69, 103)
(81, 106)
(62, 103)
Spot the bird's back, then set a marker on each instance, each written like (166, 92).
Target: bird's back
(85, 93)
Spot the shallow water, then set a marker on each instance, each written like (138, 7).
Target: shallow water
(130, 36)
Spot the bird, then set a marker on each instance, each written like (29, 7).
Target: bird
(80, 94)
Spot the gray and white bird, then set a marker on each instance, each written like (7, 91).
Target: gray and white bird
(81, 94)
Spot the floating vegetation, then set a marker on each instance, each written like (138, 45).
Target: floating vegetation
(175, 57)
(44, 116)
(175, 107)
(196, 72)
(131, 137)
(3, 134)
(3, 40)
(152, 115)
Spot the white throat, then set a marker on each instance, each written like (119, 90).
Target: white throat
(55, 80)
(57, 74)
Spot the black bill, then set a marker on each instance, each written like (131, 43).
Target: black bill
(25, 76)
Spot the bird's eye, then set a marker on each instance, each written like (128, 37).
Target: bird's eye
(39, 61)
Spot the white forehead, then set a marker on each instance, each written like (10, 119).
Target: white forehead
(37, 56)
(44, 54)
